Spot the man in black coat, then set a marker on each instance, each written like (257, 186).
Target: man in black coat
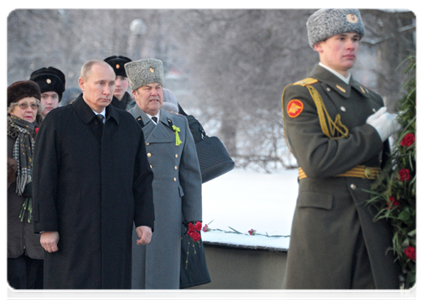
(92, 181)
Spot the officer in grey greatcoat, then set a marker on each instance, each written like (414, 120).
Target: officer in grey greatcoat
(121, 98)
(338, 131)
(173, 159)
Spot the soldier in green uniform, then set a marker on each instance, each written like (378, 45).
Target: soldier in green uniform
(338, 131)
(121, 98)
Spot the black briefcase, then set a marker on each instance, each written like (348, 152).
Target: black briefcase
(213, 157)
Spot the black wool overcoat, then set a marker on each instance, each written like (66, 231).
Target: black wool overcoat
(92, 182)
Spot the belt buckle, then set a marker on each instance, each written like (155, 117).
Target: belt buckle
(368, 172)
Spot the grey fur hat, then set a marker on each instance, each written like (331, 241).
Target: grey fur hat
(326, 23)
(169, 101)
(144, 71)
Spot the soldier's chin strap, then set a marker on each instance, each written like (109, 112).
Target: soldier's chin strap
(332, 129)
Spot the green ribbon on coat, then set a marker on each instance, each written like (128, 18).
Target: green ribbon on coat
(177, 130)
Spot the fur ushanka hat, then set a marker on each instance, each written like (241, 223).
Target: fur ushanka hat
(144, 71)
(50, 80)
(22, 89)
(326, 23)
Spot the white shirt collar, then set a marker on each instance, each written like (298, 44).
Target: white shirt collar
(340, 76)
(157, 116)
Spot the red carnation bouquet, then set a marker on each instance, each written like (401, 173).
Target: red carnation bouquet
(193, 232)
(394, 192)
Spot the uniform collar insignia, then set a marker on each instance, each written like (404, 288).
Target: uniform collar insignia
(341, 88)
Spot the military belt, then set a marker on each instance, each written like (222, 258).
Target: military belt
(359, 171)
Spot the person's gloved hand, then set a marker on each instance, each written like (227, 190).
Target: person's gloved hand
(376, 115)
(384, 123)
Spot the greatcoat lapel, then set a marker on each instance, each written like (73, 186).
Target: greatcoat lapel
(160, 133)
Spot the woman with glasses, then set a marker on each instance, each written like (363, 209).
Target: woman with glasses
(24, 251)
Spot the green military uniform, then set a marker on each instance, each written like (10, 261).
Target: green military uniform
(334, 241)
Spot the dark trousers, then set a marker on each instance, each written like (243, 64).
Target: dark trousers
(24, 272)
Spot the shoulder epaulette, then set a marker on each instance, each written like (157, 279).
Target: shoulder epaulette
(306, 81)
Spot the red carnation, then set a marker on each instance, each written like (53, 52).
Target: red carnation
(206, 228)
(410, 252)
(36, 129)
(195, 236)
(192, 227)
(198, 226)
(393, 202)
(404, 175)
(408, 140)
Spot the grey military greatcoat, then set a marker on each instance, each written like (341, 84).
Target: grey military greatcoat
(333, 230)
(177, 197)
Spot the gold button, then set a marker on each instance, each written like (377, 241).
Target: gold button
(151, 166)
(352, 186)
(176, 167)
(148, 154)
(374, 109)
(368, 172)
(174, 178)
(328, 89)
(343, 109)
(176, 155)
(147, 144)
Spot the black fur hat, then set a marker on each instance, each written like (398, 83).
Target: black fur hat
(22, 89)
(50, 80)
(117, 63)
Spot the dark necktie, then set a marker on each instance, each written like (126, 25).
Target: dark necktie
(100, 118)
(154, 119)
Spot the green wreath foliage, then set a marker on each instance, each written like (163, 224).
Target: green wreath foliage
(394, 192)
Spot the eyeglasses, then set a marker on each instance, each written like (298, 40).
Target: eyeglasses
(24, 105)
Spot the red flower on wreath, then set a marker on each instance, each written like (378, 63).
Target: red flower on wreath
(410, 252)
(404, 175)
(193, 231)
(408, 140)
(393, 202)
(252, 232)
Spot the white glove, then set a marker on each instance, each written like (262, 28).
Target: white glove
(384, 123)
(376, 115)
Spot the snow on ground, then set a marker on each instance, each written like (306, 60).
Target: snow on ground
(245, 200)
